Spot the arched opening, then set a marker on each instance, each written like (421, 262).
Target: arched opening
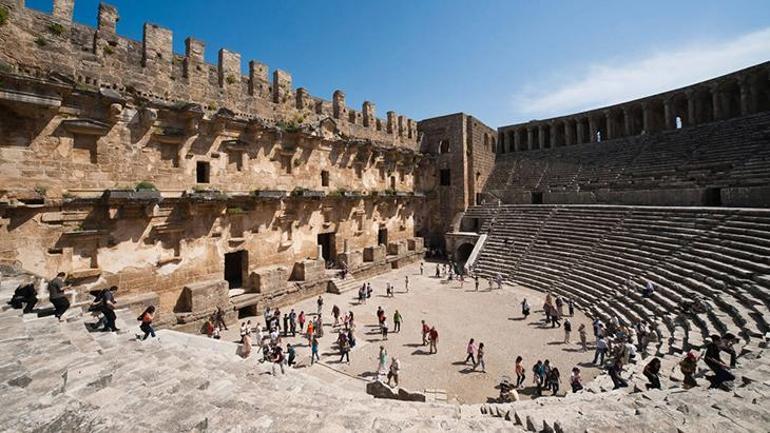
(463, 252)
(761, 91)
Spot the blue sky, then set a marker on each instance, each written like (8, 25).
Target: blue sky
(502, 61)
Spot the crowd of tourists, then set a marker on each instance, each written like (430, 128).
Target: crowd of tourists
(615, 345)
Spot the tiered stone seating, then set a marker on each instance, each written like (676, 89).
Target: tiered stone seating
(602, 256)
(59, 377)
(726, 153)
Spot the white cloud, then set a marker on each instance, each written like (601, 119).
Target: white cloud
(607, 83)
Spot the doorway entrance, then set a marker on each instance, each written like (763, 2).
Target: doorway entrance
(236, 268)
(382, 236)
(463, 253)
(328, 246)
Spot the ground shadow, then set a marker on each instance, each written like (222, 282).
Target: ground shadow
(369, 374)
(413, 345)
(517, 319)
(555, 343)
(420, 352)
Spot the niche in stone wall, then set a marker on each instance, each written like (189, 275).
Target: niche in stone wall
(84, 148)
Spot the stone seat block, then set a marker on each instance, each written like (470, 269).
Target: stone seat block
(204, 296)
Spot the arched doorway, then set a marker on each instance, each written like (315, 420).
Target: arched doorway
(463, 252)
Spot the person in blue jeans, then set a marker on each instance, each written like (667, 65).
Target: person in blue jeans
(601, 350)
(146, 319)
(314, 351)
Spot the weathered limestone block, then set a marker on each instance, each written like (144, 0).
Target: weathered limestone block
(381, 390)
(107, 19)
(351, 260)
(416, 244)
(397, 248)
(63, 9)
(137, 303)
(281, 86)
(229, 68)
(270, 279)
(204, 296)
(259, 82)
(374, 254)
(308, 270)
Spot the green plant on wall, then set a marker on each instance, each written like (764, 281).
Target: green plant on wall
(298, 191)
(231, 79)
(40, 190)
(3, 15)
(40, 41)
(56, 29)
(108, 50)
(145, 186)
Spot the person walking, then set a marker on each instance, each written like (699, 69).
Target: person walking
(384, 328)
(433, 336)
(278, 359)
(310, 331)
(571, 307)
(145, 320)
(614, 373)
(422, 268)
(425, 331)
(575, 380)
(476, 282)
(554, 380)
(246, 345)
(57, 297)
(583, 337)
(651, 372)
(538, 376)
(470, 350)
(301, 320)
(601, 350)
(219, 317)
(291, 354)
(688, 365)
(344, 348)
(320, 304)
(567, 330)
(314, 350)
(525, 308)
(480, 359)
(108, 308)
(397, 321)
(336, 315)
(520, 372)
(293, 322)
(395, 368)
(406, 283)
(285, 324)
(382, 360)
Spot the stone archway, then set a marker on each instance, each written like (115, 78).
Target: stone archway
(463, 252)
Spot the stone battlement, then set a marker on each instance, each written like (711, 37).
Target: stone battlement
(41, 45)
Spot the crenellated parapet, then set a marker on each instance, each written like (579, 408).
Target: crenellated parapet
(733, 95)
(41, 45)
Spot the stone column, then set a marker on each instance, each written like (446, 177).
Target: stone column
(610, 126)
(568, 140)
(691, 114)
(592, 130)
(627, 121)
(646, 117)
(530, 138)
(554, 140)
(516, 140)
(668, 110)
(541, 136)
(743, 84)
(580, 127)
(716, 101)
